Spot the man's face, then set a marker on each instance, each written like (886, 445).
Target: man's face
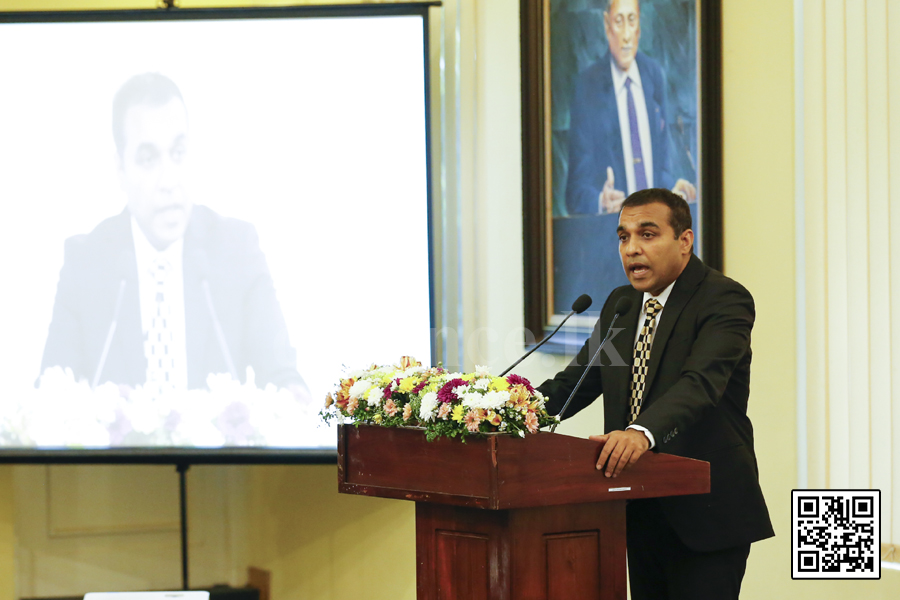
(623, 30)
(651, 254)
(151, 170)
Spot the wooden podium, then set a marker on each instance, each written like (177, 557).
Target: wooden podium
(506, 518)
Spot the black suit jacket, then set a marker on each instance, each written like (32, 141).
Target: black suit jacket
(695, 399)
(223, 252)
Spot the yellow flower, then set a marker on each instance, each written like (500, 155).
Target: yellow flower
(468, 376)
(385, 379)
(407, 385)
(377, 418)
(329, 400)
(499, 384)
(458, 411)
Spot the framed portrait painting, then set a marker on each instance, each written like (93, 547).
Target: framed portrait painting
(617, 96)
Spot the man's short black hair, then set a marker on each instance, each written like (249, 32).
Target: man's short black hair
(679, 215)
(148, 89)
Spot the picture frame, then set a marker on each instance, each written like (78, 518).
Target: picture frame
(571, 130)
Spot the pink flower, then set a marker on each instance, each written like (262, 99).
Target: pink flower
(473, 420)
(444, 411)
(387, 390)
(531, 422)
(519, 380)
(407, 412)
(351, 405)
(446, 395)
(391, 408)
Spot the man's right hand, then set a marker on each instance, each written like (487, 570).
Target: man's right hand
(611, 199)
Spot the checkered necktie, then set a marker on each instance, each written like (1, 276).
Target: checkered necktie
(158, 347)
(642, 358)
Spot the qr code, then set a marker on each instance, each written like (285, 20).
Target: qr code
(836, 534)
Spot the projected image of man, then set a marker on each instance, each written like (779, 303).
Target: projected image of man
(166, 292)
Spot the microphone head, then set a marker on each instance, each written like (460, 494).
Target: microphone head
(623, 305)
(581, 304)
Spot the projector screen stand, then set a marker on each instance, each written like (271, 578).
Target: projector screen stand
(182, 468)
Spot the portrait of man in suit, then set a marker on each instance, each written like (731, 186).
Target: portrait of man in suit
(684, 390)
(619, 130)
(167, 292)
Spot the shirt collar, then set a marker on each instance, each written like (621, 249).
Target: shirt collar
(145, 253)
(619, 76)
(662, 298)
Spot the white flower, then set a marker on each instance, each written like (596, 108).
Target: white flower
(482, 371)
(429, 403)
(412, 371)
(490, 400)
(359, 388)
(374, 396)
(496, 399)
(461, 390)
(482, 384)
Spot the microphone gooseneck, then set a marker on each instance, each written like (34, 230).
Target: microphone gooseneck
(109, 334)
(581, 304)
(220, 333)
(622, 307)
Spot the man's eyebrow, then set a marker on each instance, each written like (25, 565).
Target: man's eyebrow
(642, 225)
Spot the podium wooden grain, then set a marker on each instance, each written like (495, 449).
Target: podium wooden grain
(506, 518)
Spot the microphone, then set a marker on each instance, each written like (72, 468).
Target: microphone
(110, 334)
(581, 304)
(622, 307)
(202, 262)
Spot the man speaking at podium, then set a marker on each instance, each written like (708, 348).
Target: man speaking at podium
(166, 292)
(683, 391)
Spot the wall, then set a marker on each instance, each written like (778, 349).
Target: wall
(759, 252)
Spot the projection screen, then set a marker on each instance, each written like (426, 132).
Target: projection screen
(211, 216)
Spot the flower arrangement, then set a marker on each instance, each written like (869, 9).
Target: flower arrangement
(443, 403)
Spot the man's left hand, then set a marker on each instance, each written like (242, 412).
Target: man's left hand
(621, 449)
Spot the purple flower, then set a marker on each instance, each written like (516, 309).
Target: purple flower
(421, 386)
(445, 394)
(519, 380)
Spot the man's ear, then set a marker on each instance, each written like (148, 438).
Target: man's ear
(686, 241)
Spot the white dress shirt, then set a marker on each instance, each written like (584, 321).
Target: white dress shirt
(662, 299)
(146, 256)
(640, 107)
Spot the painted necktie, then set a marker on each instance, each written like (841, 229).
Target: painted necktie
(640, 176)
